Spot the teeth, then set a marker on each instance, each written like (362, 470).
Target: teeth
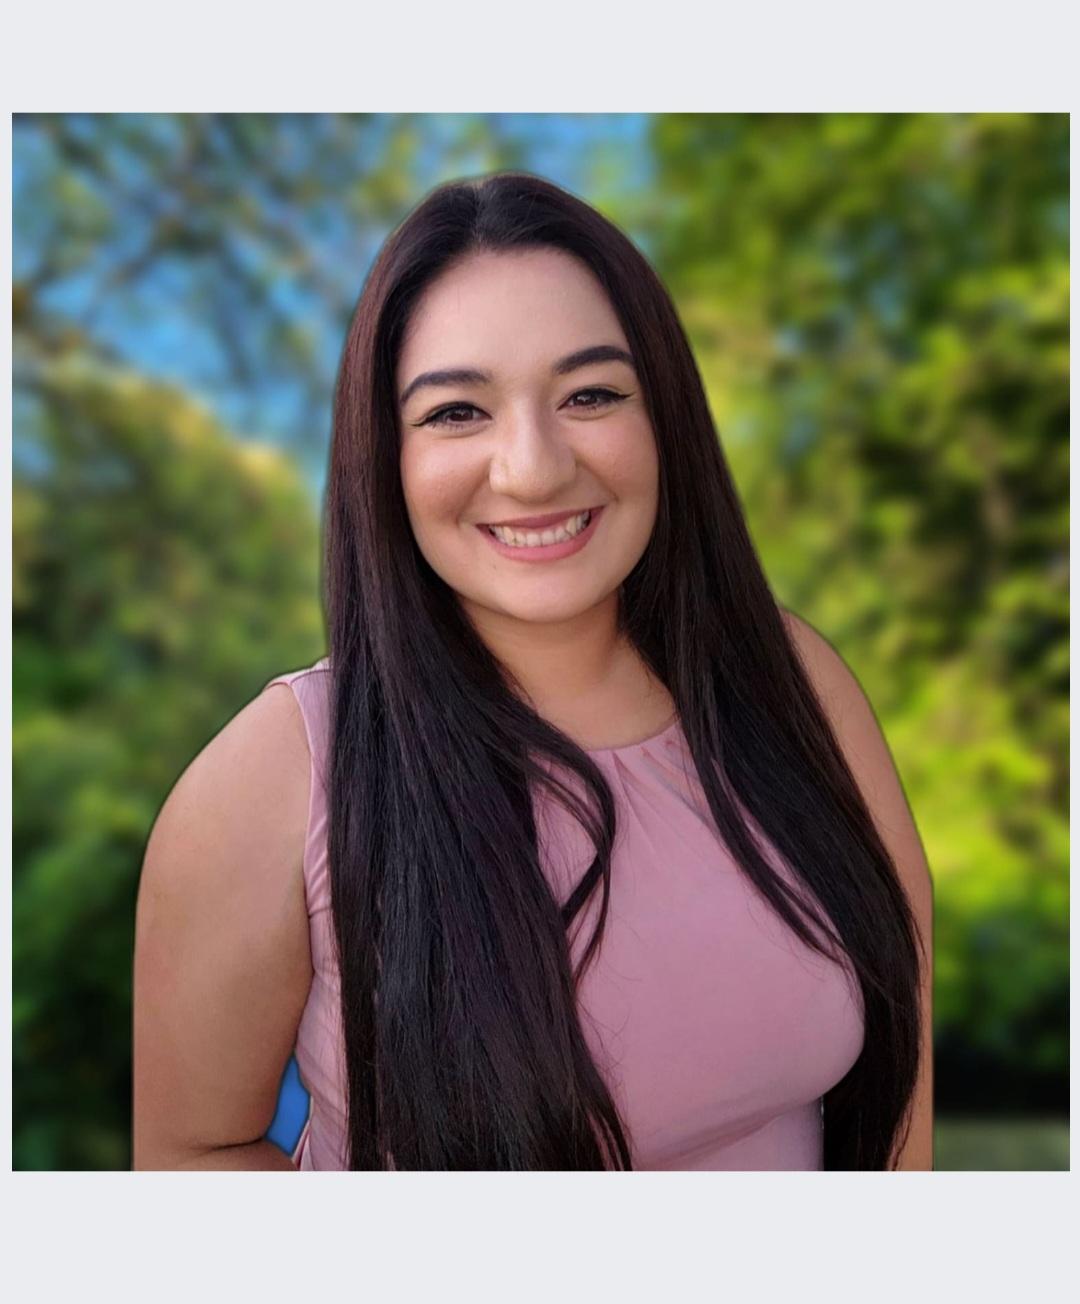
(540, 538)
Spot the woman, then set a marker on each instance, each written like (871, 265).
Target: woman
(576, 851)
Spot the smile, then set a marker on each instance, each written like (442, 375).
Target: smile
(549, 544)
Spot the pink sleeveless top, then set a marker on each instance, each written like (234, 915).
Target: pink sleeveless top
(715, 1027)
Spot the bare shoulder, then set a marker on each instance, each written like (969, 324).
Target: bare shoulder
(846, 704)
(865, 749)
(821, 659)
(222, 949)
(247, 787)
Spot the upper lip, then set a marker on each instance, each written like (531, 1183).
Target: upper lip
(538, 522)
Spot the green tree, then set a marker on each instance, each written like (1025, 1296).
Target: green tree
(162, 573)
(880, 307)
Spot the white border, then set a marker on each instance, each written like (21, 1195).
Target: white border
(538, 1236)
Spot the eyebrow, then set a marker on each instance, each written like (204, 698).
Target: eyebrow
(473, 376)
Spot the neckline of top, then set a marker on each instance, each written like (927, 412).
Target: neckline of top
(669, 728)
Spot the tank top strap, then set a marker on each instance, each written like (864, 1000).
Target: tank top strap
(311, 688)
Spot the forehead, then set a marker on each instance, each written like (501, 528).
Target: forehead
(504, 308)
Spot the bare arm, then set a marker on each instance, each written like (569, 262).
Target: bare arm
(222, 965)
(260, 1155)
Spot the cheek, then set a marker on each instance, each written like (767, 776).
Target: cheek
(631, 466)
(436, 485)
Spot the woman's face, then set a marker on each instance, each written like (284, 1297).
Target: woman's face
(531, 433)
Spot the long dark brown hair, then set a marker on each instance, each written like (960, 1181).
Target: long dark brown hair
(463, 1047)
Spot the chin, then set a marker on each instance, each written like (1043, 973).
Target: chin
(539, 611)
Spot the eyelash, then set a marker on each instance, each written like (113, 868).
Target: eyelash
(438, 417)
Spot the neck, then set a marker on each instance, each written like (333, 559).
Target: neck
(557, 663)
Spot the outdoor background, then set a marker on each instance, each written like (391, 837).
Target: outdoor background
(879, 308)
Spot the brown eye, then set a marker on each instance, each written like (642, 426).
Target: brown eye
(441, 417)
(605, 398)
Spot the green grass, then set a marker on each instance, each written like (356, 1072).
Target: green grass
(985, 1144)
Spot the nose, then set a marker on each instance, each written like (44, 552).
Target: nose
(533, 462)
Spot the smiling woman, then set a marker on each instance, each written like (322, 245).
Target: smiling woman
(602, 865)
(529, 457)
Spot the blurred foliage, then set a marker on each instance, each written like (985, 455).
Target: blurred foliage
(162, 573)
(878, 305)
(1001, 1145)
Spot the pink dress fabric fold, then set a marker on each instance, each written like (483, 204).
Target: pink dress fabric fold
(715, 1027)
